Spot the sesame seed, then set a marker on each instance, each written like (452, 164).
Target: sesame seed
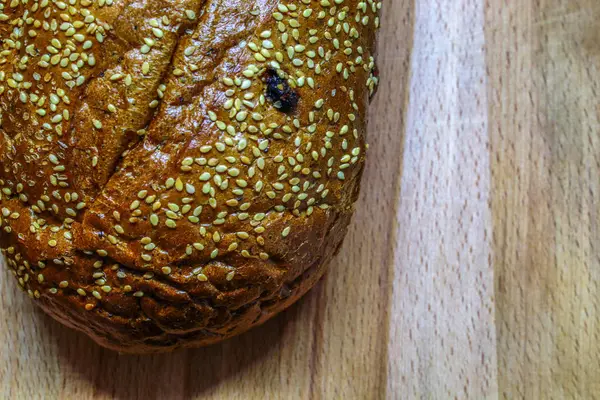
(157, 32)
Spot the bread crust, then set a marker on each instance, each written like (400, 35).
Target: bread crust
(175, 172)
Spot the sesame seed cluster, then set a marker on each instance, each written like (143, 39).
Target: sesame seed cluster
(174, 172)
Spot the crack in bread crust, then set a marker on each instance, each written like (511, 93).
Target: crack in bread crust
(175, 172)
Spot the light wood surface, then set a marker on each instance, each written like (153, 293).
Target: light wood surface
(472, 267)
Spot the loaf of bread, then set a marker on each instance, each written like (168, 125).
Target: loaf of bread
(175, 172)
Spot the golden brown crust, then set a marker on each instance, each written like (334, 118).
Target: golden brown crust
(175, 172)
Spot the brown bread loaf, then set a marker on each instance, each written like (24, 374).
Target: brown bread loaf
(174, 172)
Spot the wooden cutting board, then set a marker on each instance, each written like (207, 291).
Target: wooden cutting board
(472, 268)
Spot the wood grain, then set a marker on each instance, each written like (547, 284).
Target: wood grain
(472, 267)
(544, 130)
(443, 336)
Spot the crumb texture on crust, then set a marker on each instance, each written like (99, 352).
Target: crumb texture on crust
(174, 172)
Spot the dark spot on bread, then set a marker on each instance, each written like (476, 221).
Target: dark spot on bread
(278, 91)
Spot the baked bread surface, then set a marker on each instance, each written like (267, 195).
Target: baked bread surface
(174, 172)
